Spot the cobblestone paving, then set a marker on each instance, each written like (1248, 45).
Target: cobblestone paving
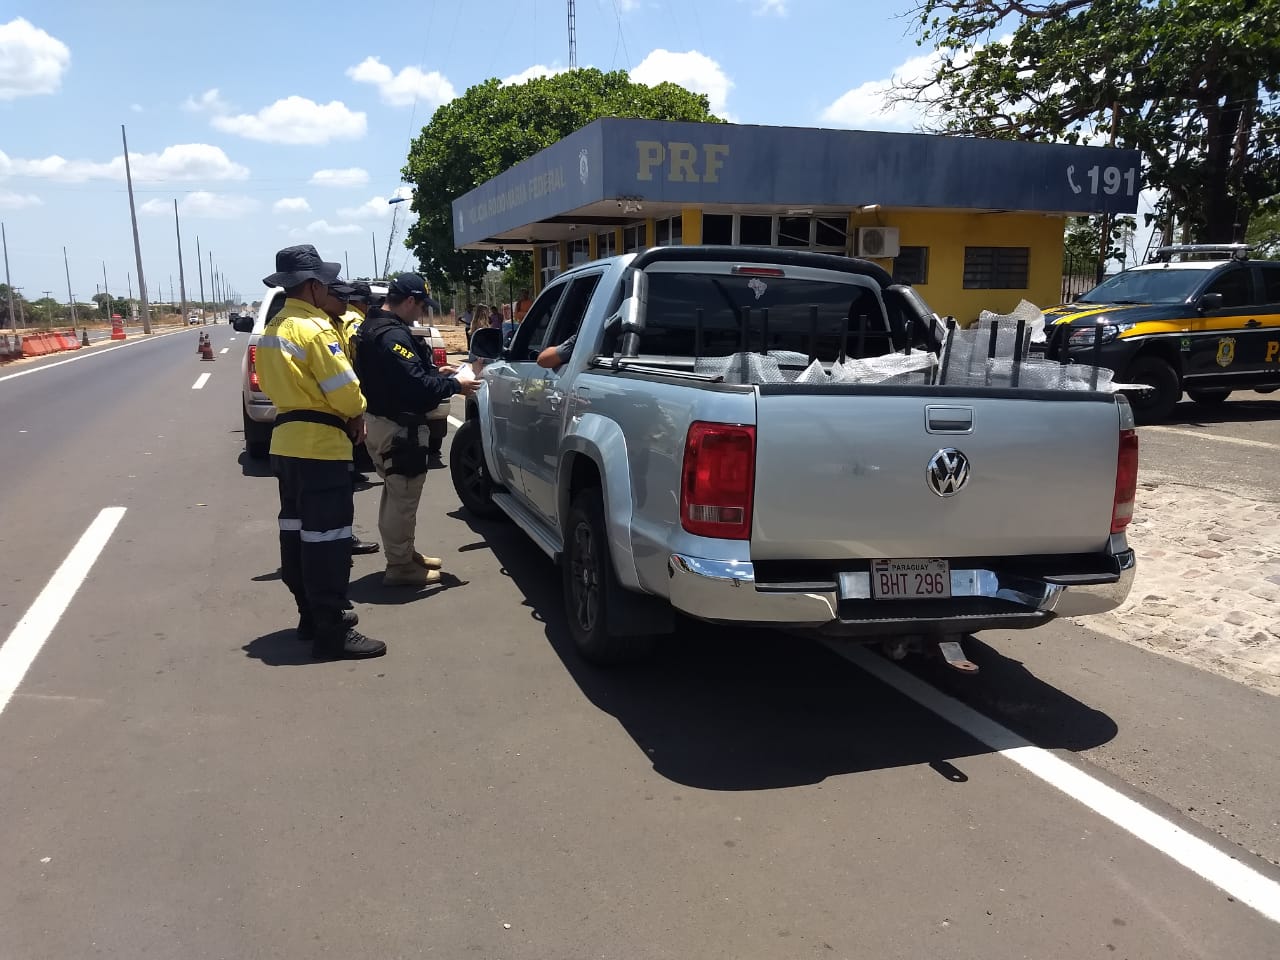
(1208, 584)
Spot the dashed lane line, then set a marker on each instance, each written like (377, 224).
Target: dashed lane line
(26, 639)
(224, 350)
(1223, 871)
(201, 381)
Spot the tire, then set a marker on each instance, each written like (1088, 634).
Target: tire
(470, 474)
(591, 586)
(1209, 397)
(257, 438)
(1156, 404)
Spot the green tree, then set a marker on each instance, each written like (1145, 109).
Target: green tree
(1192, 84)
(491, 127)
(1264, 231)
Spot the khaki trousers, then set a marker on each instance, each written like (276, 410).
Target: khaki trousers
(398, 507)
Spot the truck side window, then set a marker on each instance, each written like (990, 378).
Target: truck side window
(1271, 283)
(1236, 287)
(572, 309)
(533, 329)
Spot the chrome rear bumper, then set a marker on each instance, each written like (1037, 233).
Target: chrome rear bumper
(981, 599)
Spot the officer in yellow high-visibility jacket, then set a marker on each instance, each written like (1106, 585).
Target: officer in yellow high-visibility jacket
(320, 413)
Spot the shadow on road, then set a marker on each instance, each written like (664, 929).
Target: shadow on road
(369, 589)
(1249, 408)
(737, 709)
(279, 649)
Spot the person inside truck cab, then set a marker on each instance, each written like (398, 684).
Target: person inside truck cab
(553, 358)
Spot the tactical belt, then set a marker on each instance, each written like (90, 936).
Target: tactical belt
(403, 419)
(312, 416)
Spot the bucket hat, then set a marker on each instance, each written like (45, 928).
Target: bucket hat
(295, 265)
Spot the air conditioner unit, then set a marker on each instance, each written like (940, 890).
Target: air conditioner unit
(878, 242)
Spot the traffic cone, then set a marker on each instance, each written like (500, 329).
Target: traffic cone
(206, 351)
(84, 337)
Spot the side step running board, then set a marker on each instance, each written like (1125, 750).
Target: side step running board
(547, 541)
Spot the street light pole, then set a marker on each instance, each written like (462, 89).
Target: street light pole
(71, 300)
(182, 283)
(137, 245)
(200, 268)
(8, 283)
(107, 291)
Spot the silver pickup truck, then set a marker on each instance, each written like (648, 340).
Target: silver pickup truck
(693, 455)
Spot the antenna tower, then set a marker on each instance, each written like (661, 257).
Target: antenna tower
(573, 36)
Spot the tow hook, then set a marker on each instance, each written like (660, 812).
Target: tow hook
(953, 655)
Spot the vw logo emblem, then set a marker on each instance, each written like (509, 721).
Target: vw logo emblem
(947, 472)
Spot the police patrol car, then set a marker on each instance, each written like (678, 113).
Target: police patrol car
(1207, 322)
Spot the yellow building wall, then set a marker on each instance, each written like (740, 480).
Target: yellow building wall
(947, 233)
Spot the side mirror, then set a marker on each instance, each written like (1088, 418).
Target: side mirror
(486, 343)
(1210, 301)
(242, 324)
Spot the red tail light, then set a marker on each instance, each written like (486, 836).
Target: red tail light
(439, 356)
(1126, 481)
(718, 480)
(254, 385)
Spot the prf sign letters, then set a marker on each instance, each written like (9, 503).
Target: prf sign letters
(680, 162)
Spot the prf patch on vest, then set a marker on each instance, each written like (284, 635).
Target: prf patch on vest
(407, 354)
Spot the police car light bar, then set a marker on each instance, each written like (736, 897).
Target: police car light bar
(1238, 251)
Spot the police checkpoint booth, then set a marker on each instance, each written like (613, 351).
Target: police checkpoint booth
(973, 224)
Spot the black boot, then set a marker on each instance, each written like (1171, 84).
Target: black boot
(307, 625)
(337, 641)
(359, 546)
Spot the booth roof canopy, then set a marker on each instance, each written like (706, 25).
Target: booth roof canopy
(614, 171)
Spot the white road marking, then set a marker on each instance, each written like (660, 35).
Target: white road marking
(1241, 441)
(85, 356)
(201, 381)
(1235, 878)
(23, 645)
(224, 350)
(231, 339)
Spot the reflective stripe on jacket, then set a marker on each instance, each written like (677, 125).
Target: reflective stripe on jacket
(348, 325)
(302, 366)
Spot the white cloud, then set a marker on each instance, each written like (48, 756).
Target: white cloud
(31, 61)
(348, 177)
(201, 204)
(374, 207)
(626, 6)
(136, 107)
(411, 85)
(692, 70)
(291, 205)
(297, 120)
(766, 7)
(210, 101)
(182, 161)
(326, 228)
(17, 201)
(867, 106)
(537, 70)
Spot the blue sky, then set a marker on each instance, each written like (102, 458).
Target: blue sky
(271, 131)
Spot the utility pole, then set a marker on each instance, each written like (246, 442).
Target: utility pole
(8, 283)
(107, 290)
(374, 240)
(1105, 246)
(171, 300)
(71, 300)
(137, 245)
(213, 290)
(200, 267)
(346, 263)
(182, 283)
(48, 306)
(128, 279)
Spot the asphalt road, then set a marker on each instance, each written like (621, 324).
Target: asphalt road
(182, 781)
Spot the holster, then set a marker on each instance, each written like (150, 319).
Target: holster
(407, 458)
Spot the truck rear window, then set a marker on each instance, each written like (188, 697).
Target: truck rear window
(740, 312)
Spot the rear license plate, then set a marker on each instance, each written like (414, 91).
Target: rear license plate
(910, 579)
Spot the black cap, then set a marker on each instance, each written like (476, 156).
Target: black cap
(341, 290)
(412, 285)
(295, 265)
(360, 293)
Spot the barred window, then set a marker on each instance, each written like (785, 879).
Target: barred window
(633, 239)
(607, 244)
(996, 268)
(911, 265)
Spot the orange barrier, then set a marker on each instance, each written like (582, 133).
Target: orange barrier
(117, 328)
(34, 346)
(69, 340)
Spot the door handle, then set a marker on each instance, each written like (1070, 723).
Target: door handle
(1254, 323)
(941, 419)
(517, 393)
